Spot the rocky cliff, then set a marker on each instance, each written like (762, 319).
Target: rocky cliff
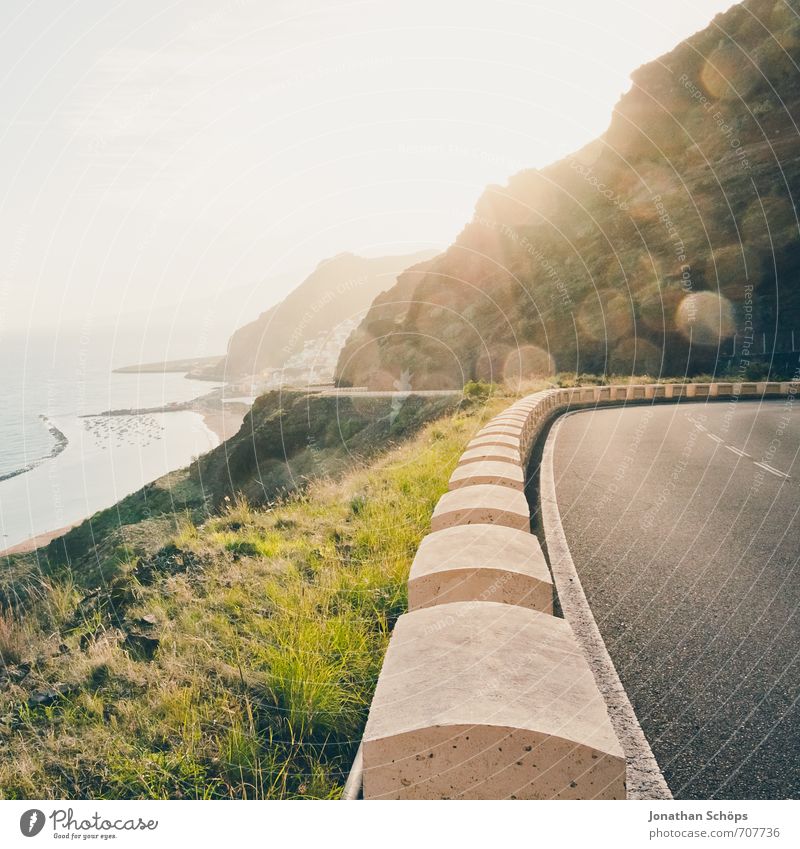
(667, 246)
(338, 290)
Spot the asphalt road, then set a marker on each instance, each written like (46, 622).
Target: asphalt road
(688, 552)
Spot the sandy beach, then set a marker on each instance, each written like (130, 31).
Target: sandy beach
(107, 458)
(97, 458)
(38, 541)
(226, 421)
(221, 417)
(223, 420)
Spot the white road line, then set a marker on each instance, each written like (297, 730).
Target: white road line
(737, 451)
(700, 427)
(768, 468)
(715, 438)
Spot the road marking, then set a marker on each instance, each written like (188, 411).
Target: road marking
(771, 470)
(699, 426)
(737, 451)
(715, 438)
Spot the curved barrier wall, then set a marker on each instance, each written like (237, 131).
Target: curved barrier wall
(483, 692)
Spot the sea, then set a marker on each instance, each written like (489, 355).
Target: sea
(59, 460)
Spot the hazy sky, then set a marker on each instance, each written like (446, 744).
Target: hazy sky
(153, 151)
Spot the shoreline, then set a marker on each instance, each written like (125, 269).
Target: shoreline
(224, 423)
(223, 420)
(61, 443)
(194, 368)
(38, 541)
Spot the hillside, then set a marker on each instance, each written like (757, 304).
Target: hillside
(658, 248)
(178, 651)
(339, 290)
(286, 440)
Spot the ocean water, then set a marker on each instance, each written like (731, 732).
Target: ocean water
(59, 461)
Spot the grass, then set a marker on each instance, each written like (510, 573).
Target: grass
(754, 372)
(238, 659)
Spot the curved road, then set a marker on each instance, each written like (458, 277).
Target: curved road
(685, 531)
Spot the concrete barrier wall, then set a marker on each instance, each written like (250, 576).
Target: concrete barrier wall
(483, 692)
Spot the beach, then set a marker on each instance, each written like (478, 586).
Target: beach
(76, 436)
(106, 459)
(220, 421)
(38, 541)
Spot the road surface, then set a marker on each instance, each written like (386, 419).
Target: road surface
(684, 525)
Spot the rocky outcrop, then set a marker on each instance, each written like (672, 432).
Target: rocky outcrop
(338, 290)
(657, 249)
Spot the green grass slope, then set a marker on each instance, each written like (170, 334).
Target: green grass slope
(225, 656)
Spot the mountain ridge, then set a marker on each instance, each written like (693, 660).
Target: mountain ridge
(636, 253)
(337, 290)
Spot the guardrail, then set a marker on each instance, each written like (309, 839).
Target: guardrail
(483, 692)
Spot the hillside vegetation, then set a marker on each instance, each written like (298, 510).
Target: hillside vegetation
(647, 251)
(286, 439)
(188, 654)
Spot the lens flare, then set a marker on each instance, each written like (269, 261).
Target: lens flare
(705, 318)
(605, 316)
(527, 363)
